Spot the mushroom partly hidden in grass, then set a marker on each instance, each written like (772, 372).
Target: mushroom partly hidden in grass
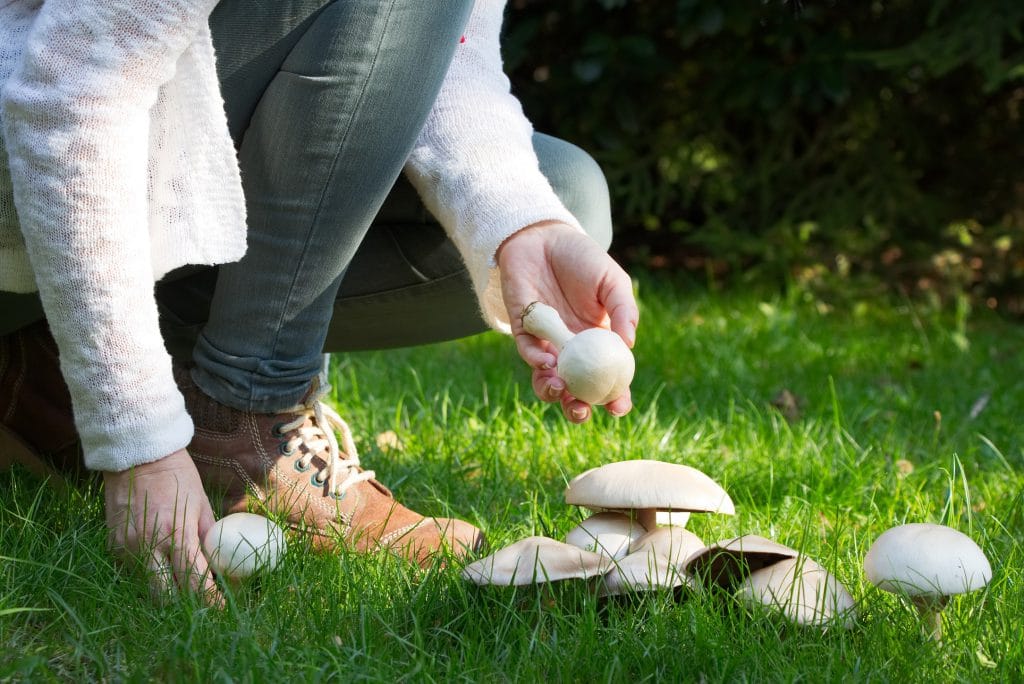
(655, 561)
(596, 365)
(762, 572)
(805, 592)
(241, 544)
(536, 560)
(927, 563)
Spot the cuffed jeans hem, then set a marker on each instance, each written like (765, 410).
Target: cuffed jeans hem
(252, 384)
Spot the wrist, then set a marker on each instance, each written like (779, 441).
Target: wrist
(529, 231)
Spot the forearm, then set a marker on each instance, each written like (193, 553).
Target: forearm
(474, 164)
(76, 119)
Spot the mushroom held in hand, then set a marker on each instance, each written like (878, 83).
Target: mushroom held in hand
(595, 364)
(536, 560)
(240, 544)
(645, 487)
(928, 563)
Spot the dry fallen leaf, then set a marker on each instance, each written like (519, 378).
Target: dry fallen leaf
(388, 440)
(903, 468)
(788, 405)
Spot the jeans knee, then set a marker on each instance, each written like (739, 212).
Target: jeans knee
(579, 182)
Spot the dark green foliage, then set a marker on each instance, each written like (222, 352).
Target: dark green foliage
(786, 134)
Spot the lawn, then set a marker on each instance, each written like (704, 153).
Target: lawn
(827, 422)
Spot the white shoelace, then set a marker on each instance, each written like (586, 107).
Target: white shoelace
(318, 438)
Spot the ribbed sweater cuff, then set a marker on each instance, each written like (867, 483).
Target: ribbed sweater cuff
(159, 434)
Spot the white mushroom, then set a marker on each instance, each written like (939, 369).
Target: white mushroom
(536, 560)
(596, 365)
(644, 570)
(928, 563)
(729, 561)
(241, 544)
(608, 533)
(676, 544)
(645, 487)
(802, 590)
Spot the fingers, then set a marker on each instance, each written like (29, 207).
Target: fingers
(620, 406)
(547, 385)
(192, 572)
(160, 576)
(156, 514)
(623, 313)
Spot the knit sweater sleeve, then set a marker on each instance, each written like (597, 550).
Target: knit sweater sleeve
(76, 121)
(474, 164)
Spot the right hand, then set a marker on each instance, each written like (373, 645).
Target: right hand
(556, 264)
(157, 513)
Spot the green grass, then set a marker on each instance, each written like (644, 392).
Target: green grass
(881, 385)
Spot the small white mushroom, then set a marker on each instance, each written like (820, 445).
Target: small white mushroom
(676, 544)
(241, 544)
(644, 487)
(644, 570)
(802, 590)
(728, 562)
(927, 563)
(596, 365)
(536, 560)
(608, 533)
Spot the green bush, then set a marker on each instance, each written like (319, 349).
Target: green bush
(779, 136)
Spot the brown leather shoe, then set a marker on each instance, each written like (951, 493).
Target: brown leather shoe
(290, 464)
(37, 427)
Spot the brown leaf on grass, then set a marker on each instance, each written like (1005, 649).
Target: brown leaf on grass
(388, 440)
(788, 404)
(903, 468)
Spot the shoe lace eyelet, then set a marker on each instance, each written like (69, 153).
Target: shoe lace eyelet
(284, 450)
(315, 481)
(276, 430)
(300, 468)
(337, 496)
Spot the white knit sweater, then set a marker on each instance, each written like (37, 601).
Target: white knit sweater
(121, 169)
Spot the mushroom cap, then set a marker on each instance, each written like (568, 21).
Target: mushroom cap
(924, 559)
(676, 544)
(727, 562)
(803, 590)
(596, 365)
(644, 570)
(609, 533)
(648, 484)
(536, 560)
(241, 544)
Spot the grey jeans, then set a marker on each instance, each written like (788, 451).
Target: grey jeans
(325, 100)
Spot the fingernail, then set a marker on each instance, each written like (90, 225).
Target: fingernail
(555, 389)
(579, 413)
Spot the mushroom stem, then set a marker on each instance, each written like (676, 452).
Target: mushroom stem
(540, 320)
(930, 610)
(647, 518)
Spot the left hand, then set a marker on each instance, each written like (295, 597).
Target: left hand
(554, 263)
